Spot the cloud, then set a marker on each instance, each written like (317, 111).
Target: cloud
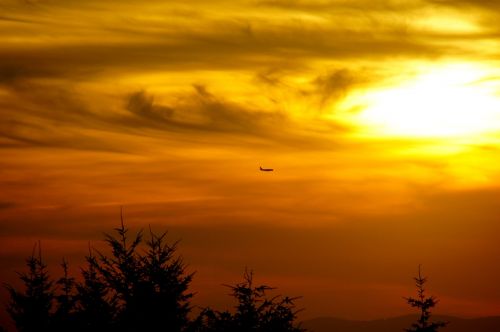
(169, 108)
(336, 85)
(233, 42)
(204, 112)
(143, 106)
(483, 13)
(206, 117)
(51, 115)
(482, 4)
(327, 6)
(61, 115)
(6, 205)
(207, 51)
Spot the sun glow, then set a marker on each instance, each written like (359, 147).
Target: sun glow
(452, 101)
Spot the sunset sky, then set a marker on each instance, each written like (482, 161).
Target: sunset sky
(380, 118)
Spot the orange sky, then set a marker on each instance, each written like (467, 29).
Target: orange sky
(381, 119)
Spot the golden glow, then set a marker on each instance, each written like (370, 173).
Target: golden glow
(450, 101)
(380, 119)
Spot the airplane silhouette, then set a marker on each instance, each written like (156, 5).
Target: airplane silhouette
(266, 169)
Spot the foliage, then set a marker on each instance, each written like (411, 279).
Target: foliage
(96, 306)
(64, 317)
(136, 287)
(127, 290)
(254, 313)
(31, 309)
(150, 289)
(424, 304)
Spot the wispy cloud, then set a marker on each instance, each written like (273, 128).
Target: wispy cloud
(169, 108)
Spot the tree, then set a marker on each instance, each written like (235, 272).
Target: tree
(64, 317)
(424, 304)
(255, 312)
(164, 291)
(150, 288)
(121, 273)
(31, 309)
(137, 287)
(96, 306)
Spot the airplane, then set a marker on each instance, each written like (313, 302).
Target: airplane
(266, 169)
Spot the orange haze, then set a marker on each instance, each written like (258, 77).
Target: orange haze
(380, 119)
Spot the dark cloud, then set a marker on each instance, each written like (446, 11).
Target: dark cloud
(142, 105)
(270, 77)
(51, 115)
(224, 47)
(14, 19)
(7, 205)
(329, 6)
(335, 85)
(18, 74)
(204, 116)
(59, 115)
(228, 43)
(328, 88)
(204, 112)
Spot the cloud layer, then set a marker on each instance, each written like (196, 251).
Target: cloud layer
(170, 108)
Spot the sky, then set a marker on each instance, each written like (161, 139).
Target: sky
(380, 118)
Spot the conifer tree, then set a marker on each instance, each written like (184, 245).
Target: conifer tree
(164, 285)
(424, 304)
(96, 306)
(122, 274)
(255, 312)
(122, 270)
(151, 287)
(137, 288)
(31, 309)
(64, 317)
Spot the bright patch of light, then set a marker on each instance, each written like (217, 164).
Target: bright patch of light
(451, 101)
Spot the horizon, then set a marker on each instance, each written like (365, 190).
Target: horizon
(200, 299)
(380, 121)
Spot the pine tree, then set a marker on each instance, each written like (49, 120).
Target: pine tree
(122, 273)
(96, 306)
(137, 290)
(255, 312)
(150, 288)
(424, 304)
(165, 296)
(31, 309)
(64, 317)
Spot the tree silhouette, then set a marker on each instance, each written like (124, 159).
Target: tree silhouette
(137, 287)
(164, 285)
(424, 304)
(254, 313)
(64, 318)
(96, 306)
(31, 309)
(128, 290)
(150, 288)
(121, 273)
